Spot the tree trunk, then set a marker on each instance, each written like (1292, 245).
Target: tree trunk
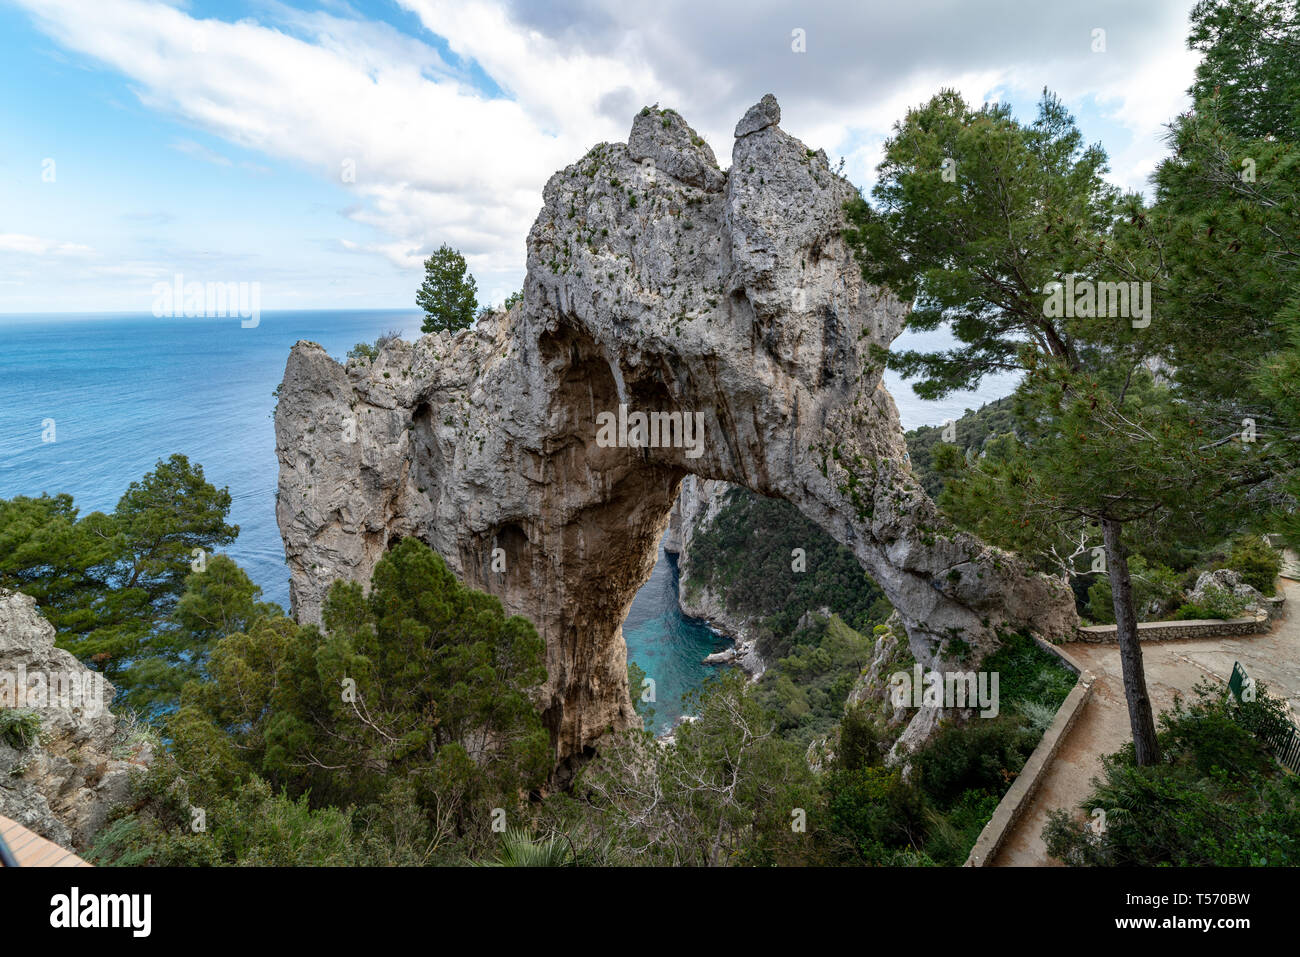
(1140, 716)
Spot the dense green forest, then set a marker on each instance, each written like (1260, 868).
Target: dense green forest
(747, 555)
(969, 433)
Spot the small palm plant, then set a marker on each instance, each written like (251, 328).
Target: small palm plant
(518, 849)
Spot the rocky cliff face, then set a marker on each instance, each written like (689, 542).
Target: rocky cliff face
(725, 302)
(64, 782)
(697, 505)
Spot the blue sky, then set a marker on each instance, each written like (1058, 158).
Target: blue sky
(214, 139)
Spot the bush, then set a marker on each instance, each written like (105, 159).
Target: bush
(983, 755)
(863, 743)
(252, 827)
(1156, 589)
(1027, 673)
(1258, 562)
(19, 727)
(876, 811)
(1215, 602)
(363, 350)
(1217, 798)
(261, 828)
(952, 835)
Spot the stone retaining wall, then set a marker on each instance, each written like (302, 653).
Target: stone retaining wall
(1173, 630)
(1022, 790)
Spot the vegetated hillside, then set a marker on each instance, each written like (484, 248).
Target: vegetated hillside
(805, 690)
(1164, 571)
(935, 814)
(747, 555)
(972, 430)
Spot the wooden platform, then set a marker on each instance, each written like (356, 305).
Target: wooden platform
(32, 850)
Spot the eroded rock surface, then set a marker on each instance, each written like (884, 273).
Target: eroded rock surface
(1231, 582)
(659, 282)
(63, 784)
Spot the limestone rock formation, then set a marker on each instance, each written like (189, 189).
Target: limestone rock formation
(63, 784)
(696, 505)
(1225, 580)
(727, 303)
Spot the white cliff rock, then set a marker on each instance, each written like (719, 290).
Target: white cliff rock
(62, 785)
(1227, 580)
(658, 282)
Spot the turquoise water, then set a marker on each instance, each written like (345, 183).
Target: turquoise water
(668, 646)
(124, 391)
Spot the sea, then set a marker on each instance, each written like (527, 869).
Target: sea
(90, 403)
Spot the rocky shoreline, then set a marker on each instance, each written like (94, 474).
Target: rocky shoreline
(743, 653)
(697, 504)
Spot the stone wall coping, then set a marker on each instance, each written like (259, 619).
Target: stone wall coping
(1189, 628)
(1018, 797)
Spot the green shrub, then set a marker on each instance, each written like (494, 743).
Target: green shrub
(985, 754)
(364, 350)
(1026, 672)
(1258, 562)
(1217, 799)
(253, 827)
(260, 828)
(863, 743)
(1215, 602)
(952, 835)
(19, 727)
(1038, 716)
(876, 811)
(1156, 589)
(519, 849)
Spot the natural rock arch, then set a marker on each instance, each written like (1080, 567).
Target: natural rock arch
(658, 282)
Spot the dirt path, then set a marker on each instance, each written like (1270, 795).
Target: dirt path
(1171, 667)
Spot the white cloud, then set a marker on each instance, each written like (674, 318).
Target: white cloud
(432, 159)
(38, 246)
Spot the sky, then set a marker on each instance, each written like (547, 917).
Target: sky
(322, 150)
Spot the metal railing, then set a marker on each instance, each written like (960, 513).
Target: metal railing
(1281, 739)
(1284, 744)
(7, 858)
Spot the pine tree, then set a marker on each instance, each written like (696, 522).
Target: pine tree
(110, 582)
(448, 295)
(974, 215)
